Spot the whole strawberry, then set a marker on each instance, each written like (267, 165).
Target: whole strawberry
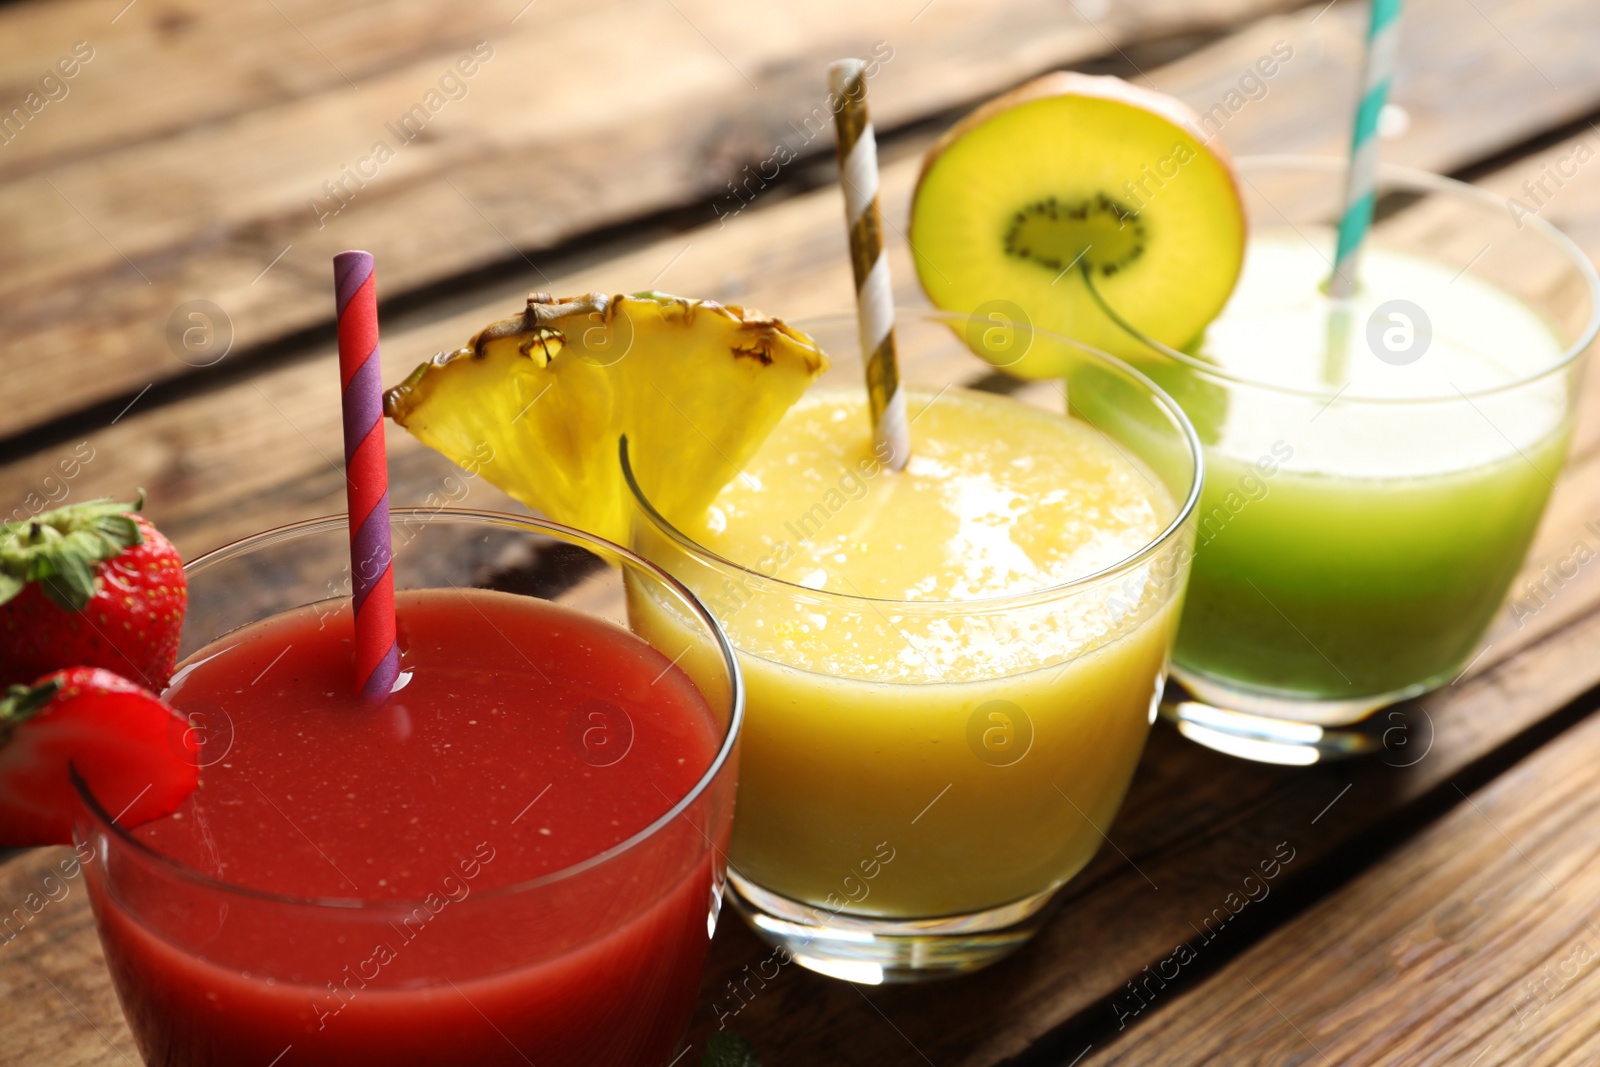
(137, 756)
(91, 584)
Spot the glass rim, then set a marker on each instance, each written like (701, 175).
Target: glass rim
(463, 516)
(1395, 174)
(1149, 550)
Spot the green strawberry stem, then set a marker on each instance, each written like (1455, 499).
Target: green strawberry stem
(59, 549)
(22, 703)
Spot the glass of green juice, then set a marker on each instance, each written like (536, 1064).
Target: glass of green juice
(950, 670)
(1375, 469)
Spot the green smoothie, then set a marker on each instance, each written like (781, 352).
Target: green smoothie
(1359, 548)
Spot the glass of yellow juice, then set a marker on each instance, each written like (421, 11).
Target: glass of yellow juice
(1377, 467)
(951, 669)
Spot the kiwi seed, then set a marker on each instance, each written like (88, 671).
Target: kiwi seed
(1103, 232)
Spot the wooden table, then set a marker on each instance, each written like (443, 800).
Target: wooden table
(1438, 902)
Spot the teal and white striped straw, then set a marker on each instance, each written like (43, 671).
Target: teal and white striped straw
(1383, 36)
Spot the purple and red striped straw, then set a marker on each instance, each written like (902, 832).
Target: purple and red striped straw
(377, 653)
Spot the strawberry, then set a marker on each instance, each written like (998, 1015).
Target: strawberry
(136, 755)
(90, 584)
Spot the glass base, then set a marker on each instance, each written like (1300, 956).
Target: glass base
(1269, 728)
(870, 951)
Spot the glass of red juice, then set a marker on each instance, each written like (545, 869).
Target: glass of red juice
(517, 858)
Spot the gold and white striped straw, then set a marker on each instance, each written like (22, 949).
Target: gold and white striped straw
(858, 170)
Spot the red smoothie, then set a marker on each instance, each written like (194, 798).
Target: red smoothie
(528, 738)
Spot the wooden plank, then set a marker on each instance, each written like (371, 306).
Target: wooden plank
(50, 961)
(569, 127)
(203, 64)
(1471, 81)
(81, 297)
(1475, 943)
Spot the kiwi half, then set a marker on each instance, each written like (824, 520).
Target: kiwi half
(1074, 174)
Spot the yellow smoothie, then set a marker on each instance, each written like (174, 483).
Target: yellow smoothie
(932, 727)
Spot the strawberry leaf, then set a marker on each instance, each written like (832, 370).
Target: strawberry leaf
(59, 549)
(23, 702)
(69, 581)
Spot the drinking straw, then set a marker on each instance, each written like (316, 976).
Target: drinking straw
(377, 653)
(858, 171)
(1383, 36)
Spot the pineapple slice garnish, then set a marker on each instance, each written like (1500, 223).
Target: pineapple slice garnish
(538, 403)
